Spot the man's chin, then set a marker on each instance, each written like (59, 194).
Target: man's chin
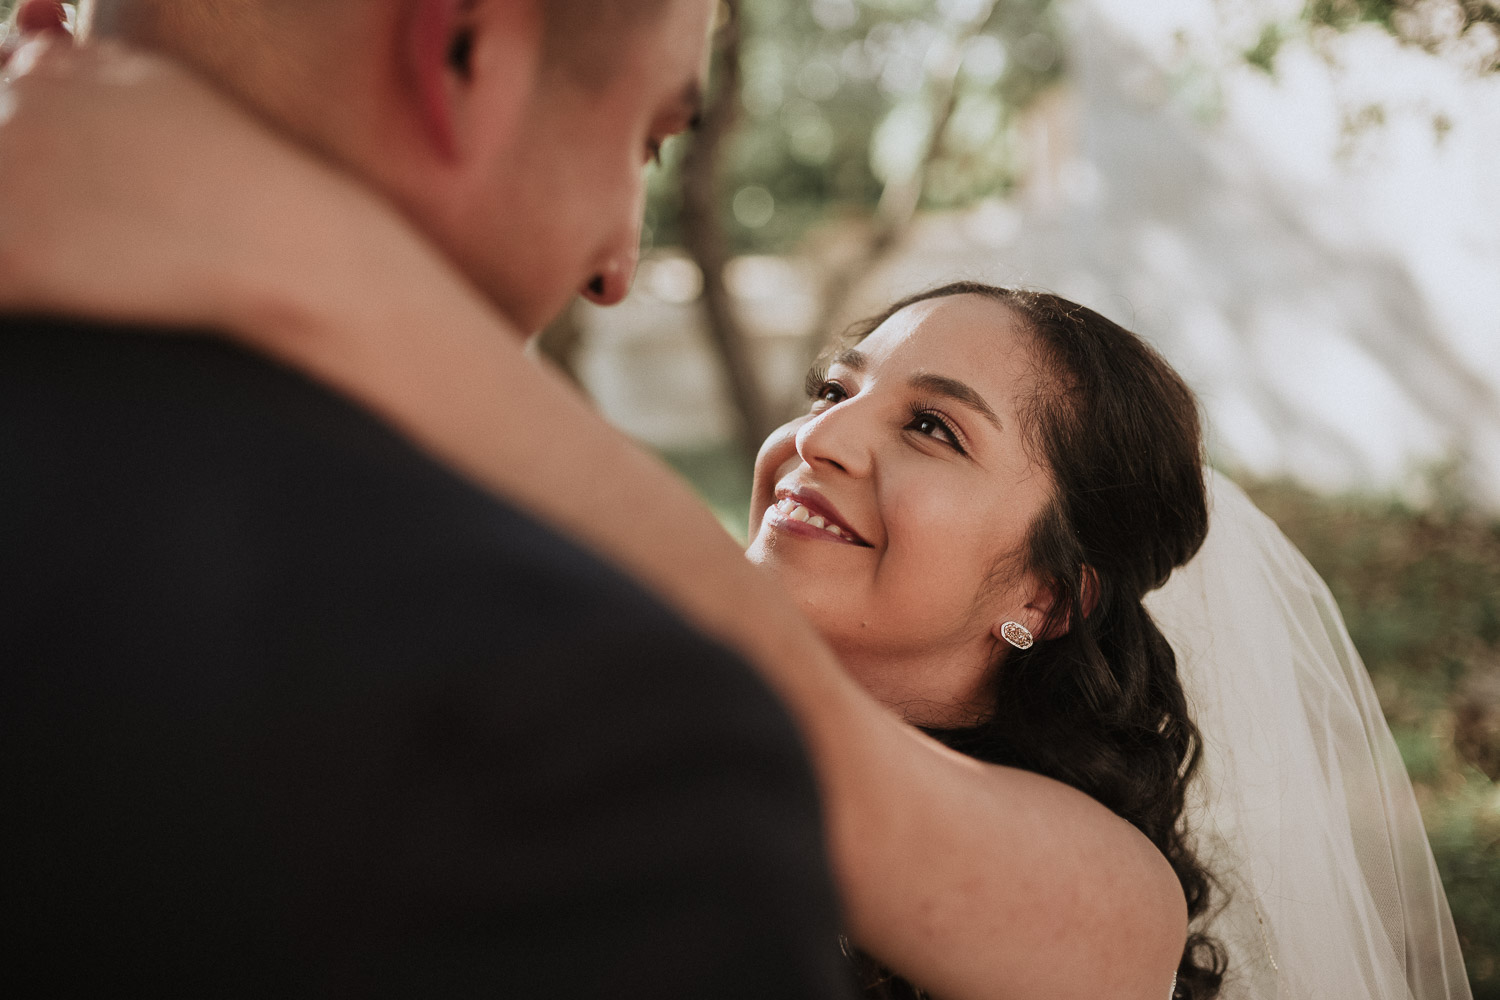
(528, 309)
(525, 320)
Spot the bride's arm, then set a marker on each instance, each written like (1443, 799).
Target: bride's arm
(973, 880)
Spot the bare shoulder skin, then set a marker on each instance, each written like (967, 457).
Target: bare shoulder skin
(973, 880)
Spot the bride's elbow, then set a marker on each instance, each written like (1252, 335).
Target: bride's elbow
(1118, 932)
(1128, 929)
(1152, 929)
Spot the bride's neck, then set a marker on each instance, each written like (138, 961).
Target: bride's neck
(941, 688)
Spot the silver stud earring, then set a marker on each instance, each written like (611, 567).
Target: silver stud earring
(1017, 635)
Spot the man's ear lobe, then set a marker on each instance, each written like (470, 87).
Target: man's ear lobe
(472, 65)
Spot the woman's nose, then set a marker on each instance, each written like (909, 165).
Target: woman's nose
(837, 438)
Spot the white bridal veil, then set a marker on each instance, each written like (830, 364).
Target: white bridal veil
(1302, 808)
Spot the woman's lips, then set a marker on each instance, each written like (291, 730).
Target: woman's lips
(804, 514)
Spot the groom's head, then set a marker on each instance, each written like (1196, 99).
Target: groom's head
(514, 132)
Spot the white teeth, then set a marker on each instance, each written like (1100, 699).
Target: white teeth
(795, 511)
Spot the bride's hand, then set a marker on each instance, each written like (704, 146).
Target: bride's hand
(149, 241)
(34, 19)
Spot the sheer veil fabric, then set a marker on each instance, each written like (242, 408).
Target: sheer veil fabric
(1302, 808)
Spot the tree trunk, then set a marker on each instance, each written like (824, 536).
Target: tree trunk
(897, 209)
(706, 242)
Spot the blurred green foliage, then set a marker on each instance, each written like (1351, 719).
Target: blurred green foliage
(1434, 25)
(836, 102)
(722, 479)
(1400, 17)
(1420, 592)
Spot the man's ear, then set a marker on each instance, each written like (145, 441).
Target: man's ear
(472, 65)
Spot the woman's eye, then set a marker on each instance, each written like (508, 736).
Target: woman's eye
(828, 392)
(936, 427)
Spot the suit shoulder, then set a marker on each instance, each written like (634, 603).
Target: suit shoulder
(232, 484)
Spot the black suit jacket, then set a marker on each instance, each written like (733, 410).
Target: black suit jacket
(289, 709)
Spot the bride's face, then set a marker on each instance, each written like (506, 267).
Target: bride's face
(914, 451)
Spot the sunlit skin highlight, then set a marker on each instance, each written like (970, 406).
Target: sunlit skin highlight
(539, 242)
(914, 443)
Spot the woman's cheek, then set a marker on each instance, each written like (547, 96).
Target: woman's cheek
(777, 455)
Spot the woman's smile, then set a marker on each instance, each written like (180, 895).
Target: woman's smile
(805, 513)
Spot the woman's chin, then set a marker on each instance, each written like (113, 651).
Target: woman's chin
(756, 552)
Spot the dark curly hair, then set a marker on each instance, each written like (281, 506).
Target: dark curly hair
(1099, 705)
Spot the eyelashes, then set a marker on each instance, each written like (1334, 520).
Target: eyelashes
(921, 413)
(814, 381)
(924, 418)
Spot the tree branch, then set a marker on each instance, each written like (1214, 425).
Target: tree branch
(897, 208)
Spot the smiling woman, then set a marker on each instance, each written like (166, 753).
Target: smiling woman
(1002, 459)
(914, 446)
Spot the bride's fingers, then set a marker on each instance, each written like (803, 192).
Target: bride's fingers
(34, 18)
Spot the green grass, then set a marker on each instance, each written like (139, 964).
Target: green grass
(1420, 591)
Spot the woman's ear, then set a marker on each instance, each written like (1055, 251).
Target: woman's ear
(472, 65)
(1039, 617)
(1091, 587)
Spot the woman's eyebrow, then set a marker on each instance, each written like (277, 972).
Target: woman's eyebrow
(952, 388)
(851, 359)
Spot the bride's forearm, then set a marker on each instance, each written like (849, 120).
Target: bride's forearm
(976, 881)
(972, 880)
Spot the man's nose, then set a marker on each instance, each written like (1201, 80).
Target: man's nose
(612, 283)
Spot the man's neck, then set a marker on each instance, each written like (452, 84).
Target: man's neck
(264, 62)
